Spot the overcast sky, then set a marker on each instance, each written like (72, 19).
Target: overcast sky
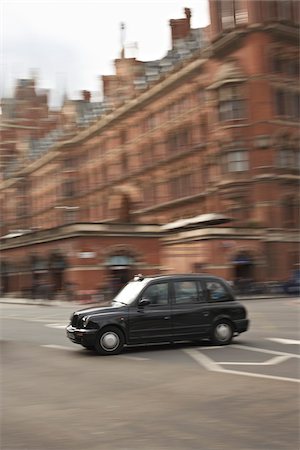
(70, 44)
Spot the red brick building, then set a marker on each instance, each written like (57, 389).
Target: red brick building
(191, 163)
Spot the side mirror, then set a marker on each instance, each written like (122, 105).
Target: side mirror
(144, 302)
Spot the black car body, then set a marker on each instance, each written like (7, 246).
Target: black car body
(164, 308)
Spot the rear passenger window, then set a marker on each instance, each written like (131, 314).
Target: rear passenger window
(216, 291)
(186, 292)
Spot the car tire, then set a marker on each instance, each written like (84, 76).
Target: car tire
(110, 341)
(222, 332)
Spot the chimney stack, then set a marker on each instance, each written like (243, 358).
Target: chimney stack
(180, 28)
(86, 96)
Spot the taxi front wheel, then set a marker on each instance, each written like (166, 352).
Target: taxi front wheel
(110, 341)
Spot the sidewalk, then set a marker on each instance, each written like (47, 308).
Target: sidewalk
(43, 302)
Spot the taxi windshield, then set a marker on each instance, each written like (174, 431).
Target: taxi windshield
(129, 292)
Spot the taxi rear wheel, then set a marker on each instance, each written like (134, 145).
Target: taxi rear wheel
(222, 333)
(110, 341)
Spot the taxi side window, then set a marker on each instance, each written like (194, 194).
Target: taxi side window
(157, 294)
(216, 291)
(187, 292)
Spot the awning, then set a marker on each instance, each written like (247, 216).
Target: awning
(12, 235)
(201, 221)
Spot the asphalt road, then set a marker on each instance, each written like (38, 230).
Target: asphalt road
(57, 396)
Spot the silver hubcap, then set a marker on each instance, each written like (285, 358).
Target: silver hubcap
(223, 332)
(109, 341)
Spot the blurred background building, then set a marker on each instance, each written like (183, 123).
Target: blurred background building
(189, 164)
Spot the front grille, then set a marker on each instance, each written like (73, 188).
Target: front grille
(77, 321)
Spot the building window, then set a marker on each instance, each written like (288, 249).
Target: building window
(227, 11)
(290, 212)
(282, 64)
(236, 161)
(123, 137)
(151, 122)
(178, 142)
(68, 189)
(104, 174)
(296, 105)
(149, 195)
(287, 103)
(233, 12)
(288, 158)
(124, 163)
(240, 12)
(181, 186)
(70, 216)
(280, 102)
(200, 96)
(21, 210)
(172, 112)
(277, 64)
(284, 9)
(147, 155)
(231, 103)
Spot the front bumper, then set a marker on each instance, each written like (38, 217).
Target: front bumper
(242, 325)
(81, 336)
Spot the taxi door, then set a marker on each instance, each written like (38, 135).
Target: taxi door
(150, 317)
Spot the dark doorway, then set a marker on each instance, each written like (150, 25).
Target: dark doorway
(243, 271)
(57, 266)
(4, 277)
(119, 277)
(120, 273)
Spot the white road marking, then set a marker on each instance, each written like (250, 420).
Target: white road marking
(211, 365)
(263, 350)
(284, 341)
(270, 362)
(58, 347)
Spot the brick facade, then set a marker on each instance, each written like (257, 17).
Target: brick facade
(216, 134)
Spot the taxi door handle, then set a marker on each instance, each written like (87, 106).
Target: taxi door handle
(167, 317)
(206, 313)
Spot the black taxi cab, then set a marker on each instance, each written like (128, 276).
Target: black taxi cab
(163, 308)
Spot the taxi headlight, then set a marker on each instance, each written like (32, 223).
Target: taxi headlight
(85, 321)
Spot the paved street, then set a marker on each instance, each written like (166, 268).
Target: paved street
(57, 396)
